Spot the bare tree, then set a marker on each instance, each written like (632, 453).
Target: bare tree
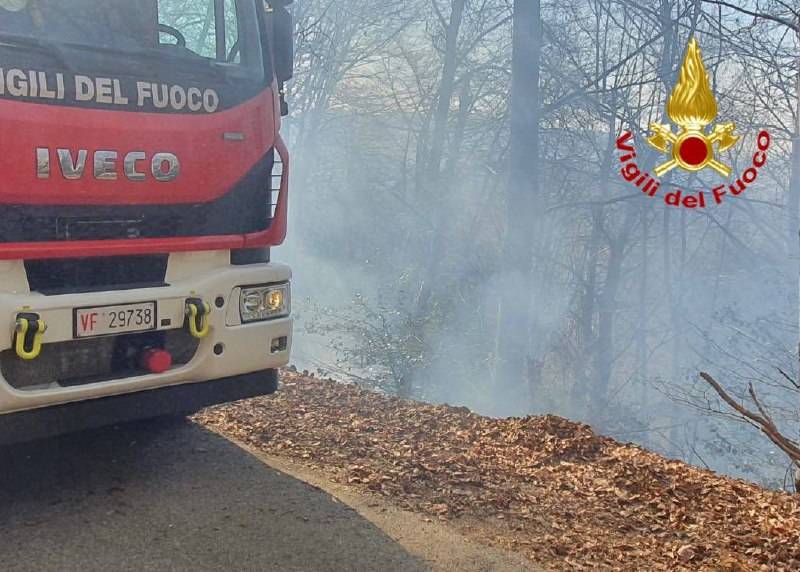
(523, 204)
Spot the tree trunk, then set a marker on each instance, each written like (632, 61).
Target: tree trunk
(794, 193)
(642, 326)
(585, 331)
(447, 89)
(604, 354)
(523, 204)
(794, 184)
(435, 185)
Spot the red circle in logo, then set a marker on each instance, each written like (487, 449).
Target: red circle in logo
(693, 151)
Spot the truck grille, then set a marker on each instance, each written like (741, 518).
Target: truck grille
(76, 275)
(248, 207)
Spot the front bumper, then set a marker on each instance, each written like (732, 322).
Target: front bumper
(172, 400)
(231, 348)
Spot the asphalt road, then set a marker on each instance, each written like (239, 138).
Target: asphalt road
(172, 496)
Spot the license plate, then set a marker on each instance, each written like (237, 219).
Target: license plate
(105, 320)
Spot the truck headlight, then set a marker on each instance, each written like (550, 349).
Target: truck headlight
(264, 302)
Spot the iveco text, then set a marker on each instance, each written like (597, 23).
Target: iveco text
(163, 167)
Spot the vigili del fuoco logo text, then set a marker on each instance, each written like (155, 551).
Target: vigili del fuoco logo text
(695, 147)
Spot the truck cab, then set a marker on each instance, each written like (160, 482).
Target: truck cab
(144, 183)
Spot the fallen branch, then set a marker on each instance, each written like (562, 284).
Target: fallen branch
(762, 419)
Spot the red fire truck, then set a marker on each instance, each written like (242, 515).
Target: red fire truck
(143, 181)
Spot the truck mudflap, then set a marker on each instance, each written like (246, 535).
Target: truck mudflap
(176, 400)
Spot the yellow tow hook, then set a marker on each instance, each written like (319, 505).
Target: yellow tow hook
(30, 329)
(197, 312)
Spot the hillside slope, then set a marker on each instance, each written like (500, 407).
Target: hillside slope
(544, 486)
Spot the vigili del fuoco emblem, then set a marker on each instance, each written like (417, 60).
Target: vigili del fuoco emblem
(692, 107)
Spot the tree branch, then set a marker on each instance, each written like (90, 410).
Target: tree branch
(762, 420)
(789, 24)
(788, 378)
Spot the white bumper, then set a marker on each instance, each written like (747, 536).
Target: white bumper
(207, 275)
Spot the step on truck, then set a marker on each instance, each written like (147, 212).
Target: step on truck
(143, 181)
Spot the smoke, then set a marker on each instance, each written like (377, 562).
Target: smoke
(628, 298)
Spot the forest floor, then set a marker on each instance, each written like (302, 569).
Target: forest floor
(543, 487)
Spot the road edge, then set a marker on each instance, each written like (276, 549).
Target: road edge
(436, 543)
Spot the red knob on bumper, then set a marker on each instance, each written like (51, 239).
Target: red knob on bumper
(156, 361)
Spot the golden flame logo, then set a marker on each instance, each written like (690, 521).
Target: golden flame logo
(692, 106)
